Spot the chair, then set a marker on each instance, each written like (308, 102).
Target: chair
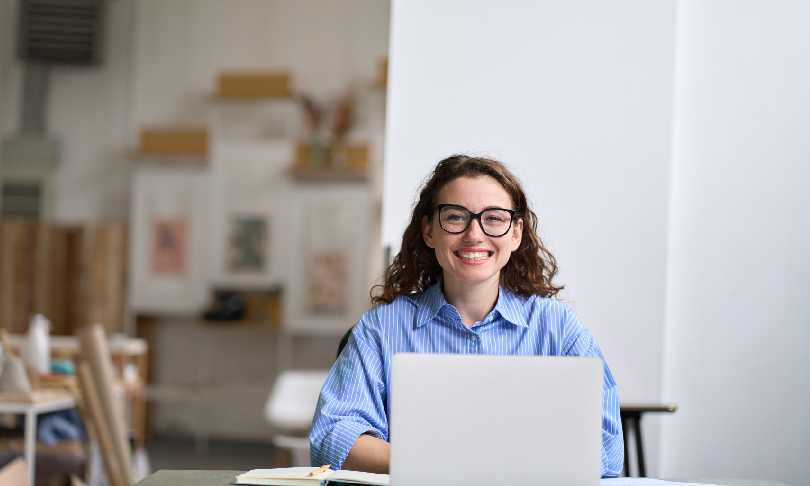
(103, 408)
(343, 341)
(290, 408)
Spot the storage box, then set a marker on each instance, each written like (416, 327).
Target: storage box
(254, 85)
(174, 141)
(264, 307)
(355, 157)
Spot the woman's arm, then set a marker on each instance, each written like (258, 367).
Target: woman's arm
(579, 342)
(369, 454)
(352, 403)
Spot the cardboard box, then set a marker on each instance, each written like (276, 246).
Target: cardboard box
(174, 141)
(254, 85)
(355, 157)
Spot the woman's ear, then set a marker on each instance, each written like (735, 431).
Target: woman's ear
(517, 233)
(427, 232)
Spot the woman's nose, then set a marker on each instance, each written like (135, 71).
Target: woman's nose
(474, 230)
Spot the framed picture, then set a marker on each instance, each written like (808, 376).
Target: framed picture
(168, 257)
(247, 244)
(328, 271)
(328, 282)
(169, 246)
(248, 196)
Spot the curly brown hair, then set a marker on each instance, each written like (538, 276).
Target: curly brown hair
(530, 269)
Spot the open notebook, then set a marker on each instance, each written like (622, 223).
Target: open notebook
(309, 476)
(320, 476)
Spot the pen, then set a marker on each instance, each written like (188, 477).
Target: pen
(318, 471)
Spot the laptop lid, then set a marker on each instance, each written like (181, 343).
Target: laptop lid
(471, 420)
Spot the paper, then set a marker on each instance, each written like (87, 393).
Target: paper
(169, 246)
(359, 477)
(645, 482)
(306, 476)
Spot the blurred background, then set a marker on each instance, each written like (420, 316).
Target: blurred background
(218, 184)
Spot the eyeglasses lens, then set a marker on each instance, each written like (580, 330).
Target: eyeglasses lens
(494, 222)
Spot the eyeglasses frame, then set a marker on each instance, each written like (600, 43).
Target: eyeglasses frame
(512, 213)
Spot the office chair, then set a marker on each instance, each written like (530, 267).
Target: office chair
(343, 341)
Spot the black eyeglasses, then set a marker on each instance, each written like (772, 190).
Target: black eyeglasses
(494, 222)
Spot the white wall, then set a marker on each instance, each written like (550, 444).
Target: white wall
(738, 316)
(576, 98)
(682, 250)
(8, 81)
(160, 64)
(88, 108)
(182, 45)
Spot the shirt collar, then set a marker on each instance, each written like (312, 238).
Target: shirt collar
(509, 306)
(432, 300)
(429, 303)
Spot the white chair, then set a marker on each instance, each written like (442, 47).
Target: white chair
(290, 408)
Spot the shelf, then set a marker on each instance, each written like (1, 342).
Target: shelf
(328, 175)
(217, 98)
(254, 84)
(169, 159)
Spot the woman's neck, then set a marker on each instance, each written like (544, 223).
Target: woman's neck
(473, 303)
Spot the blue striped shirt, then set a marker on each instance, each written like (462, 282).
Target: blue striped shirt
(354, 398)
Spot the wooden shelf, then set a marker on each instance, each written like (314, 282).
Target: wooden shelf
(169, 159)
(328, 175)
(248, 84)
(218, 98)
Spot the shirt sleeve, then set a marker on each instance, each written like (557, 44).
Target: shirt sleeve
(352, 399)
(579, 342)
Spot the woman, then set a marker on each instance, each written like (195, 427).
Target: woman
(472, 277)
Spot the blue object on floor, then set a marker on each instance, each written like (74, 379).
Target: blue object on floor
(60, 426)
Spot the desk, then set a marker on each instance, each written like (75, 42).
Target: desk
(631, 414)
(125, 351)
(166, 477)
(225, 478)
(40, 402)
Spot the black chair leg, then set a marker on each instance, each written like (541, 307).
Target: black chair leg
(642, 470)
(626, 469)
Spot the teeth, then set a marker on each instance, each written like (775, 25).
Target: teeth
(474, 255)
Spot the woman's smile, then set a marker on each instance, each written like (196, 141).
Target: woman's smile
(473, 256)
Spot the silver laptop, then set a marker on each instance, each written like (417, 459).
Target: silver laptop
(483, 420)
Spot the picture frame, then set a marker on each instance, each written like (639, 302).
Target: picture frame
(168, 264)
(247, 191)
(336, 234)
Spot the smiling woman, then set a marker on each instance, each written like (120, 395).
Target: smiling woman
(472, 277)
(529, 269)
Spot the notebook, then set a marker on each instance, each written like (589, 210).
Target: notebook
(309, 476)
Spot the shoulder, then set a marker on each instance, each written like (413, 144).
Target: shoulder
(553, 310)
(402, 310)
(539, 310)
(551, 316)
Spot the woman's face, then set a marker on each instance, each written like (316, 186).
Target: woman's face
(472, 258)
